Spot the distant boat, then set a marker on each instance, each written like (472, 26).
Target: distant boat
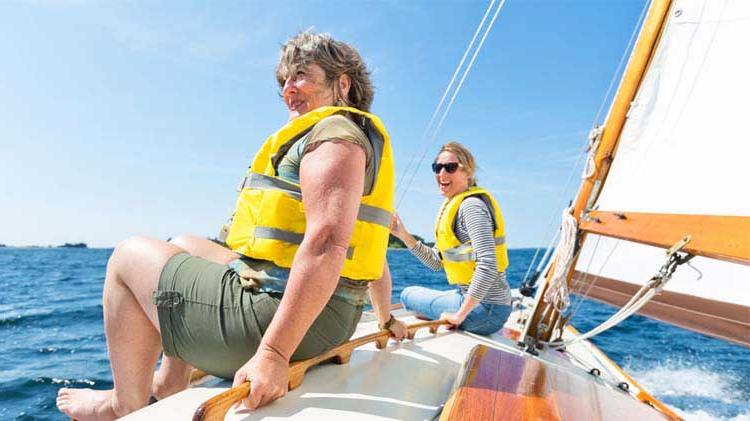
(668, 173)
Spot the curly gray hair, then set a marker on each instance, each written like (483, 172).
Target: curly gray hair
(336, 58)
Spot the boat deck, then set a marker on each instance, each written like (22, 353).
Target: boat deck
(407, 381)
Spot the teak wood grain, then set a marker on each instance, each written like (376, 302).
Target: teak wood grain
(498, 385)
(718, 237)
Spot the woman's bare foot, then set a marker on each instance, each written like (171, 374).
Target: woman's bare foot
(86, 404)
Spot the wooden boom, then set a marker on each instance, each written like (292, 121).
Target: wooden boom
(718, 237)
(216, 408)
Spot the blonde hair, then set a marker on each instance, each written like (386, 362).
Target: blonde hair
(336, 58)
(465, 159)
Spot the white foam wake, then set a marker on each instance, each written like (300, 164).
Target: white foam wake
(687, 381)
(701, 415)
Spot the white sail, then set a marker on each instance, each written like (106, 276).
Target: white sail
(684, 149)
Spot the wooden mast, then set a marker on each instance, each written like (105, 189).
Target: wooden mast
(590, 188)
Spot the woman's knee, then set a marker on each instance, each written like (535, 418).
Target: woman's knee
(484, 322)
(186, 242)
(406, 294)
(124, 251)
(139, 257)
(205, 248)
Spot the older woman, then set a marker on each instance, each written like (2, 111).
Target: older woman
(307, 240)
(470, 247)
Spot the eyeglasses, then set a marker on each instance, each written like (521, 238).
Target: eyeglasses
(450, 167)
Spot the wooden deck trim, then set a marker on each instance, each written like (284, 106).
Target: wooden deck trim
(719, 237)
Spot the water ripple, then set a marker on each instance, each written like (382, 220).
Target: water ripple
(52, 336)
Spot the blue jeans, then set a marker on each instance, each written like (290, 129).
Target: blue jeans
(484, 319)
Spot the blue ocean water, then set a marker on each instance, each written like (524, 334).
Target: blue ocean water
(51, 335)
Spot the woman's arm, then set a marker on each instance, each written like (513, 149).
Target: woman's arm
(477, 220)
(399, 230)
(428, 256)
(380, 296)
(331, 179)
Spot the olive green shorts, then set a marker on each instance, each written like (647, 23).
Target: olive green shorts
(208, 320)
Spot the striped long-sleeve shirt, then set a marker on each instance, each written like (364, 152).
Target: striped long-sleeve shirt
(473, 223)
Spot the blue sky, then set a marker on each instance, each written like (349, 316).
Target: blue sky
(139, 118)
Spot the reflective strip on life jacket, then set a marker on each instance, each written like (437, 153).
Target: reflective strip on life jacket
(269, 218)
(264, 182)
(288, 237)
(366, 213)
(464, 252)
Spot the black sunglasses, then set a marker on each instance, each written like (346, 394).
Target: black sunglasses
(450, 167)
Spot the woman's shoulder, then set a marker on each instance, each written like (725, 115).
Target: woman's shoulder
(473, 205)
(339, 127)
(473, 202)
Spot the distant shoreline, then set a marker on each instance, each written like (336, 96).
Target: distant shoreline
(85, 246)
(62, 246)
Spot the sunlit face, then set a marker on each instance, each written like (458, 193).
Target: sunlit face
(306, 90)
(451, 184)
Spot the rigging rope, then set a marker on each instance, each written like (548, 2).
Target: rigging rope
(445, 93)
(594, 125)
(432, 129)
(587, 274)
(643, 296)
(542, 263)
(557, 291)
(595, 135)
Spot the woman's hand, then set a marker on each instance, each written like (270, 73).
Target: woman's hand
(399, 230)
(455, 319)
(268, 374)
(397, 227)
(398, 330)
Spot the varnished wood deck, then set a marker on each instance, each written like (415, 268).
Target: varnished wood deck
(497, 385)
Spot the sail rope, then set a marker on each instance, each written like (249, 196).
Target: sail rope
(621, 63)
(584, 279)
(557, 291)
(438, 107)
(550, 228)
(435, 123)
(529, 283)
(595, 135)
(591, 148)
(589, 170)
(639, 299)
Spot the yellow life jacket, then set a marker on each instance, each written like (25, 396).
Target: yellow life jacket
(458, 258)
(269, 218)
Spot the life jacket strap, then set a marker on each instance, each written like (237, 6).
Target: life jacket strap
(374, 215)
(290, 237)
(367, 213)
(464, 252)
(259, 181)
